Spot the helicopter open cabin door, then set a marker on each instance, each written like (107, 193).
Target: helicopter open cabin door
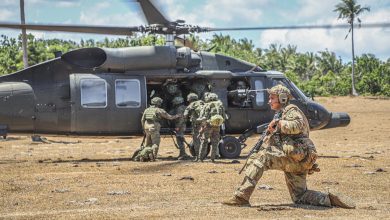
(107, 103)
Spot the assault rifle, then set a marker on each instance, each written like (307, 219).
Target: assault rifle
(173, 132)
(257, 146)
(259, 143)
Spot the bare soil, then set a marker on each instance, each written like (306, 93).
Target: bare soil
(92, 177)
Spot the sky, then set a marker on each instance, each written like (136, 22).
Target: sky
(218, 13)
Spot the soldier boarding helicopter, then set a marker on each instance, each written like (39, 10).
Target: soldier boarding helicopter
(103, 91)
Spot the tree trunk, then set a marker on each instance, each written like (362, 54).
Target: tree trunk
(24, 37)
(354, 93)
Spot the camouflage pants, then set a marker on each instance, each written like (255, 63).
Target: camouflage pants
(180, 139)
(152, 132)
(295, 175)
(212, 133)
(196, 137)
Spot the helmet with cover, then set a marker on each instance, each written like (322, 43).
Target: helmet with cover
(192, 97)
(156, 101)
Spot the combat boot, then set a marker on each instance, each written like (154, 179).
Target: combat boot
(339, 200)
(236, 201)
(183, 156)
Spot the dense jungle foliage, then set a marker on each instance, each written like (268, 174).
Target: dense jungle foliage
(321, 73)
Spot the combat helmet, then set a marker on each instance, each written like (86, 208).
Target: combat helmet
(192, 97)
(172, 88)
(241, 84)
(198, 87)
(177, 100)
(283, 93)
(212, 97)
(156, 101)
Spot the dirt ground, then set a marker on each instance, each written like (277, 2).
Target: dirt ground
(92, 177)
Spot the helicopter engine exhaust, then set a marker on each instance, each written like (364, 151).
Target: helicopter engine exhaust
(130, 58)
(338, 119)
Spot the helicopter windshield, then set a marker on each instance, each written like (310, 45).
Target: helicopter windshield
(295, 91)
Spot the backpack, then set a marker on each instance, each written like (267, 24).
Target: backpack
(216, 113)
(151, 114)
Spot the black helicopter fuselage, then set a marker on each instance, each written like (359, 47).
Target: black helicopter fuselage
(104, 91)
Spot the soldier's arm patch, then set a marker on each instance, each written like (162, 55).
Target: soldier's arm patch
(292, 122)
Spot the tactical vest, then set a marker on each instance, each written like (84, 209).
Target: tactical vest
(216, 108)
(197, 106)
(150, 114)
(215, 113)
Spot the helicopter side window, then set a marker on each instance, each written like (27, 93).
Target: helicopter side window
(259, 85)
(128, 93)
(93, 93)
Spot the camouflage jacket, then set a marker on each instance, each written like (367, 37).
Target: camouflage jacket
(294, 122)
(193, 110)
(293, 135)
(154, 114)
(179, 110)
(212, 108)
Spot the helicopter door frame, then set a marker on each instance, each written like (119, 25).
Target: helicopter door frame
(259, 98)
(107, 103)
(89, 113)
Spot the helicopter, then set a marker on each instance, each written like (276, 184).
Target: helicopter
(104, 91)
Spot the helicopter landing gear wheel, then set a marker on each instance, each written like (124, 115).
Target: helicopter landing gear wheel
(229, 147)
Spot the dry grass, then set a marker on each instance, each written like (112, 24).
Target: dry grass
(84, 177)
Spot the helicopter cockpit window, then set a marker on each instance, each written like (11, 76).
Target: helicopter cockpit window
(127, 93)
(295, 91)
(259, 85)
(93, 93)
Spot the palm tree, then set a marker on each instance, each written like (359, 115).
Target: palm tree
(349, 9)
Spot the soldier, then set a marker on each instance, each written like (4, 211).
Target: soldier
(212, 116)
(199, 87)
(180, 125)
(171, 91)
(145, 154)
(289, 149)
(238, 96)
(151, 123)
(192, 113)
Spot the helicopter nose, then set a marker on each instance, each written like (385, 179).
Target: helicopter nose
(318, 115)
(338, 119)
(321, 118)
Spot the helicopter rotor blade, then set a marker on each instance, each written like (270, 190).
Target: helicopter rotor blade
(111, 30)
(152, 14)
(337, 26)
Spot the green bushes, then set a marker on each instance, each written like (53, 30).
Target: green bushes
(319, 74)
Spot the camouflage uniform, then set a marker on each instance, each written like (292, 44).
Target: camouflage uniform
(192, 113)
(151, 123)
(180, 125)
(212, 108)
(289, 150)
(146, 154)
(171, 90)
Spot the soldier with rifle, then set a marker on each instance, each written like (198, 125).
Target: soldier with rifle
(212, 116)
(180, 126)
(191, 113)
(151, 123)
(286, 147)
